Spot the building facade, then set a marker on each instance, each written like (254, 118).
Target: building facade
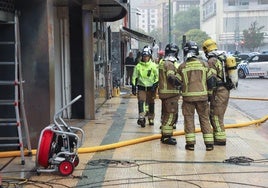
(224, 21)
(65, 52)
(159, 15)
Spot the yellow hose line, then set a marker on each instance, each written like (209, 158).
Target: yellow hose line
(134, 141)
(246, 98)
(231, 97)
(20, 181)
(15, 153)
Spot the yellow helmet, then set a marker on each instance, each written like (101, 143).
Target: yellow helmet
(209, 45)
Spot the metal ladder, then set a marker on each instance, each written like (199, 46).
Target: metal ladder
(12, 111)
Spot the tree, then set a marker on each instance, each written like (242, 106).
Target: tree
(196, 35)
(253, 37)
(185, 21)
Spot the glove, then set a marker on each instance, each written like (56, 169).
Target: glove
(134, 90)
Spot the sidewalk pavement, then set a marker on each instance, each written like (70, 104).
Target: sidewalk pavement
(116, 122)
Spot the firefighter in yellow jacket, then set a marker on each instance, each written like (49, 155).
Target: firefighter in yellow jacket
(145, 79)
(169, 93)
(220, 96)
(196, 80)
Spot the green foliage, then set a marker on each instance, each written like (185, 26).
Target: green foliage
(186, 20)
(253, 37)
(196, 35)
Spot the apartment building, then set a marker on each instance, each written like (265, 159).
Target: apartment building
(148, 20)
(225, 21)
(156, 15)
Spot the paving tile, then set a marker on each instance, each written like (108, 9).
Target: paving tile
(151, 164)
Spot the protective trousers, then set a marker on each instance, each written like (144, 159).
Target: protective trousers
(169, 115)
(218, 106)
(188, 111)
(144, 96)
(162, 112)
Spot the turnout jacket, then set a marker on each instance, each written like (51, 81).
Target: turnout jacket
(194, 74)
(216, 64)
(167, 71)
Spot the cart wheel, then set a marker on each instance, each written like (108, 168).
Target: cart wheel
(44, 147)
(76, 161)
(66, 168)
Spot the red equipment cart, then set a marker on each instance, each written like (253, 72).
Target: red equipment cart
(58, 145)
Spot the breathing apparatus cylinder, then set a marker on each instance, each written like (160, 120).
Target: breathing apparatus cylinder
(231, 67)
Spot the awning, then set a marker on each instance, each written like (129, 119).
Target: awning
(136, 35)
(106, 10)
(103, 10)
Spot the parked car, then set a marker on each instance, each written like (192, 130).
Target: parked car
(244, 56)
(255, 65)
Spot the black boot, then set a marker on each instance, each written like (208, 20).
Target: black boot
(220, 143)
(209, 147)
(141, 122)
(189, 147)
(151, 122)
(168, 140)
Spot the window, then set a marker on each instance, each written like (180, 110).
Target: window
(262, 2)
(231, 3)
(244, 2)
(183, 7)
(209, 9)
(255, 59)
(239, 2)
(263, 58)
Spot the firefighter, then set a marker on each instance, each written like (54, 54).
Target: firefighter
(161, 55)
(196, 79)
(145, 79)
(169, 93)
(220, 96)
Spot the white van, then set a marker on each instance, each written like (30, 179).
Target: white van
(256, 65)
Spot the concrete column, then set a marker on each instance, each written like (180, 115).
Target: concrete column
(89, 80)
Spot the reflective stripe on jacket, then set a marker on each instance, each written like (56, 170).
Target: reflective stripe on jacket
(193, 73)
(216, 64)
(166, 89)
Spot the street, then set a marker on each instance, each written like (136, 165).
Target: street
(248, 89)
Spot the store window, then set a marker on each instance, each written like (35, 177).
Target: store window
(100, 62)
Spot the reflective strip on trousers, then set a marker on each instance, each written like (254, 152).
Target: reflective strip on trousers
(167, 128)
(190, 137)
(208, 137)
(218, 133)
